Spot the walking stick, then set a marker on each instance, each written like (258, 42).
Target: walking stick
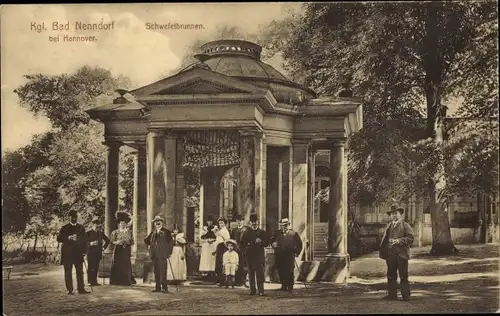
(87, 272)
(173, 276)
(297, 265)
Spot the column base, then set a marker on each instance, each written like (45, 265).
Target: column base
(105, 264)
(336, 268)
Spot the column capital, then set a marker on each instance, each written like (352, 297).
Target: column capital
(255, 132)
(112, 144)
(337, 142)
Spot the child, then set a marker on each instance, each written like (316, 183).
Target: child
(230, 260)
(177, 271)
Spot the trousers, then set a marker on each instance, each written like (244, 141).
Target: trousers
(397, 265)
(93, 268)
(256, 273)
(286, 267)
(160, 270)
(68, 275)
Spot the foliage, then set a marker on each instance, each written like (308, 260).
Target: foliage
(64, 98)
(65, 168)
(399, 57)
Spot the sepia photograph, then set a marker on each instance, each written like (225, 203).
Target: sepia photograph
(250, 158)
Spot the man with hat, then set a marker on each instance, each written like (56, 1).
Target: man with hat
(395, 250)
(236, 234)
(160, 244)
(253, 241)
(73, 249)
(95, 246)
(287, 246)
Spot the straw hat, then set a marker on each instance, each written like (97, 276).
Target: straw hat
(231, 241)
(158, 218)
(284, 221)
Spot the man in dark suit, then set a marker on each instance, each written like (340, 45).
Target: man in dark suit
(73, 249)
(236, 234)
(254, 240)
(287, 246)
(95, 246)
(395, 250)
(160, 244)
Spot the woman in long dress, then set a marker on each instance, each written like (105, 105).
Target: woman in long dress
(222, 234)
(122, 239)
(177, 270)
(207, 253)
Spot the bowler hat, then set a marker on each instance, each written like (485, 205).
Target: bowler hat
(394, 209)
(158, 218)
(238, 217)
(253, 217)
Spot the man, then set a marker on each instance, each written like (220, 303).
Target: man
(73, 249)
(236, 234)
(287, 246)
(254, 240)
(395, 250)
(160, 244)
(95, 246)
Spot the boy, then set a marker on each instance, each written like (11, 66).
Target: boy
(230, 260)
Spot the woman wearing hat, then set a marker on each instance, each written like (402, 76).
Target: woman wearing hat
(207, 256)
(178, 269)
(122, 239)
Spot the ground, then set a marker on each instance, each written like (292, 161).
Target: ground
(466, 283)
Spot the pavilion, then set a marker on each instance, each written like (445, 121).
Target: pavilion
(231, 111)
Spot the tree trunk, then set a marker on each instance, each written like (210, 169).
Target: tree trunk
(481, 218)
(34, 244)
(418, 226)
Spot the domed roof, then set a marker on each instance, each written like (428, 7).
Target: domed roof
(241, 59)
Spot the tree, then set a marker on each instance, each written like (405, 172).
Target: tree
(400, 56)
(71, 174)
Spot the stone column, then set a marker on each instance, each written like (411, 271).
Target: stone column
(156, 177)
(337, 257)
(299, 187)
(112, 186)
(140, 220)
(312, 182)
(170, 179)
(250, 175)
(180, 195)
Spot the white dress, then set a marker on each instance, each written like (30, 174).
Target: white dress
(178, 269)
(207, 259)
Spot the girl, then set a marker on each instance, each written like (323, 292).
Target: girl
(177, 270)
(222, 235)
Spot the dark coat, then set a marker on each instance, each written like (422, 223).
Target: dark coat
(236, 234)
(160, 245)
(96, 250)
(404, 233)
(254, 251)
(288, 244)
(72, 251)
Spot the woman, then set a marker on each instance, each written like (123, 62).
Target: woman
(222, 234)
(122, 239)
(207, 257)
(175, 231)
(177, 270)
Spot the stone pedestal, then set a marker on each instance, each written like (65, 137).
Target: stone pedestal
(337, 268)
(170, 180)
(140, 229)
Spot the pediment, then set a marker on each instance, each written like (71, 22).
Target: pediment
(196, 81)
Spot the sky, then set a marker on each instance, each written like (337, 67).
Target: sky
(129, 48)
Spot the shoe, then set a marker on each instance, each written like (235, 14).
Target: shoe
(262, 294)
(405, 298)
(390, 298)
(166, 291)
(70, 292)
(83, 292)
(232, 286)
(253, 293)
(156, 291)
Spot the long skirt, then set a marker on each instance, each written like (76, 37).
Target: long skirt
(221, 248)
(207, 259)
(177, 268)
(121, 267)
